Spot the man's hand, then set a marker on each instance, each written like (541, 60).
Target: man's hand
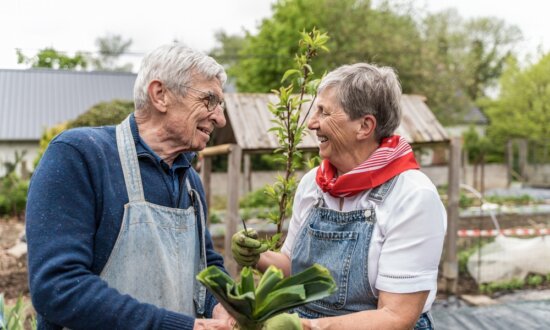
(283, 321)
(246, 247)
(220, 313)
(211, 324)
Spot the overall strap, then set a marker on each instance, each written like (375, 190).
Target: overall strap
(380, 192)
(200, 293)
(129, 161)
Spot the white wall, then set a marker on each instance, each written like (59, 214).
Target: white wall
(495, 177)
(8, 149)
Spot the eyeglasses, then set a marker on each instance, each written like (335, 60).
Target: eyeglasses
(212, 100)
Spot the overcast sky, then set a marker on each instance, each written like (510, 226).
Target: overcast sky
(71, 25)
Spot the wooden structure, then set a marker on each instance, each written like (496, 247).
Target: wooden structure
(246, 132)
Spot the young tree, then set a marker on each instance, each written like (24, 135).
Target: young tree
(52, 59)
(523, 107)
(111, 47)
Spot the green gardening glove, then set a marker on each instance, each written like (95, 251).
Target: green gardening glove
(283, 321)
(246, 247)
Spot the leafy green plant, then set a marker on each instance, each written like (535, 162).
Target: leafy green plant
(489, 288)
(13, 318)
(251, 305)
(289, 124)
(13, 189)
(535, 280)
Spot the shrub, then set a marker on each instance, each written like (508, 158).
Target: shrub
(257, 199)
(13, 194)
(105, 113)
(13, 318)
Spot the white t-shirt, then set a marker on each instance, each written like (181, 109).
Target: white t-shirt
(407, 238)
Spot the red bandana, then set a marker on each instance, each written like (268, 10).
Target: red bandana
(393, 156)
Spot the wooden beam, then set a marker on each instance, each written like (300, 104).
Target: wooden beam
(450, 264)
(247, 168)
(222, 149)
(206, 175)
(523, 147)
(232, 214)
(509, 161)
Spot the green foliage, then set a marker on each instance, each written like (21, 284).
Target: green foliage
(289, 124)
(358, 32)
(523, 107)
(105, 113)
(463, 256)
(490, 288)
(251, 305)
(513, 200)
(449, 59)
(13, 318)
(532, 280)
(13, 189)
(111, 47)
(256, 199)
(52, 59)
(475, 145)
(13, 194)
(214, 217)
(535, 280)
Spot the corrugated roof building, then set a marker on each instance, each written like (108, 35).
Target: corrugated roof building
(32, 100)
(35, 99)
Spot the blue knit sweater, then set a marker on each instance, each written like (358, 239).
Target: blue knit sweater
(74, 212)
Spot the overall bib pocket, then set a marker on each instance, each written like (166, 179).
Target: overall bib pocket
(336, 249)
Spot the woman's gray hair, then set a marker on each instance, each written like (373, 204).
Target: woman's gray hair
(364, 89)
(174, 64)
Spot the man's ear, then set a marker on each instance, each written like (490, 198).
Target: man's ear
(158, 94)
(368, 125)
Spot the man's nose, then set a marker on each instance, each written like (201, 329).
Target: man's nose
(218, 117)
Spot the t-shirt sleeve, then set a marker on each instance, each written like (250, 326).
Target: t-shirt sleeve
(412, 244)
(300, 208)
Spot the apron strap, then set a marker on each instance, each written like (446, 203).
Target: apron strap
(128, 159)
(199, 295)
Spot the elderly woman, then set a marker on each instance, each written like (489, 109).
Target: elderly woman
(366, 213)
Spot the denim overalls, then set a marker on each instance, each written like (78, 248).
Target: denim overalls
(159, 250)
(340, 241)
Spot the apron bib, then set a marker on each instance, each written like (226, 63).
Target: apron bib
(159, 250)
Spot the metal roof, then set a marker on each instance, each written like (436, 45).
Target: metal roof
(249, 120)
(32, 100)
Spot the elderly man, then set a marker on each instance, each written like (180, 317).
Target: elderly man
(116, 215)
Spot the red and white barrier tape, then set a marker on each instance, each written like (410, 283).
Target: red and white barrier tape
(507, 232)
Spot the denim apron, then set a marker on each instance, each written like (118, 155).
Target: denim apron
(159, 250)
(340, 241)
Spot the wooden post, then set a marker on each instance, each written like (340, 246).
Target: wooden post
(465, 163)
(509, 161)
(450, 263)
(206, 175)
(232, 215)
(522, 161)
(247, 168)
(482, 175)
